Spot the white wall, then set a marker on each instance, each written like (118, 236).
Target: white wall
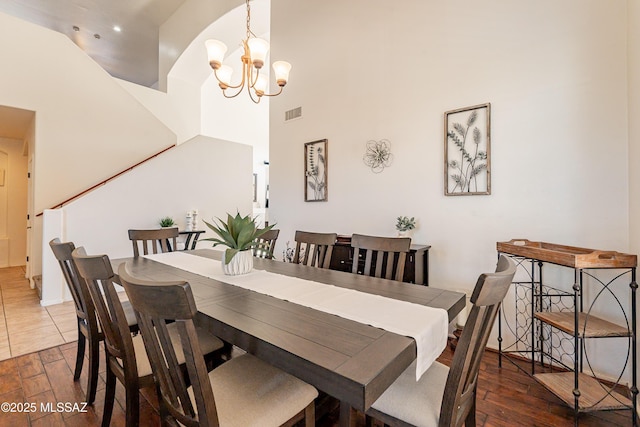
(554, 72)
(633, 50)
(13, 203)
(82, 111)
(190, 80)
(87, 129)
(183, 27)
(633, 75)
(193, 103)
(210, 175)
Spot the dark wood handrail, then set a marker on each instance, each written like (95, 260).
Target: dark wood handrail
(103, 182)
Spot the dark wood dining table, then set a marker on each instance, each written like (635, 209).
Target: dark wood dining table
(347, 360)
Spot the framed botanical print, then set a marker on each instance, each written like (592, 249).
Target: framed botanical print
(315, 171)
(467, 151)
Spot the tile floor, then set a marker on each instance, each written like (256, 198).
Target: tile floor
(26, 326)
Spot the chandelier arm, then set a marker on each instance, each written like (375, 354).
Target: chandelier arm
(251, 81)
(274, 94)
(228, 85)
(224, 92)
(251, 93)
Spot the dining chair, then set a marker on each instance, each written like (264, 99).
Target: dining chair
(447, 396)
(265, 244)
(244, 391)
(89, 332)
(158, 239)
(382, 255)
(314, 249)
(126, 357)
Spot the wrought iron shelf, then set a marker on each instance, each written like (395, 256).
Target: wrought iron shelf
(552, 325)
(588, 326)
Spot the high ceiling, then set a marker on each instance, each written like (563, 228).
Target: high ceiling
(131, 54)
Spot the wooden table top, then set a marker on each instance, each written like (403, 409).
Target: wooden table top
(348, 360)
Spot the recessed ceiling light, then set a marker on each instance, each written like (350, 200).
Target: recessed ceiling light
(117, 28)
(97, 36)
(76, 28)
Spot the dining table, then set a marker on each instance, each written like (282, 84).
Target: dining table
(350, 361)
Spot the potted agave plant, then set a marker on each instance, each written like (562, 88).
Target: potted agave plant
(238, 234)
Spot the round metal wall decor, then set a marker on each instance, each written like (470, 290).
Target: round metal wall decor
(378, 155)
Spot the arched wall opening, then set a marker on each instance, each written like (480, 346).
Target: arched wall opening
(237, 119)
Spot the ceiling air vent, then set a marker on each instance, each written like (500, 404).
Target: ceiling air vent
(295, 113)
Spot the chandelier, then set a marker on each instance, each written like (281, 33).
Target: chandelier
(255, 53)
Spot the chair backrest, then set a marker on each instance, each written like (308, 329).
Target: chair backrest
(159, 239)
(460, 389)
(155, 303)
(314, 249)
(265, 244)
(388, 253)
(100, 278)
(75, 283)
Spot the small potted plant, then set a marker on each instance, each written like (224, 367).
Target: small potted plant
(238, 234)
(404, 224)
(167, 221)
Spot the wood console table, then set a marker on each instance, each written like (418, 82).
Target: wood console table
(416, 269)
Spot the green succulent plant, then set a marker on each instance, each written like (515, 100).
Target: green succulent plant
(167, 221)
(405, 223)
(238, 233)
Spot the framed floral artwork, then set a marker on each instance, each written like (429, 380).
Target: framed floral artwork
(315, 171)
(467, 151)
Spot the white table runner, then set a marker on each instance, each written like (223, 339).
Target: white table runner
(428, 326)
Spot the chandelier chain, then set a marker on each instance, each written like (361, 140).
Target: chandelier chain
(249, 32)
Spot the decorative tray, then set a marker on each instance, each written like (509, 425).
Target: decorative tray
(569, 256)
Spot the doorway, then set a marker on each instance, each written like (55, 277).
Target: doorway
(16, 132)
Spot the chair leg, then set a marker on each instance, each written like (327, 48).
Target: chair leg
(165, 418)
(79, 354)
(109, 397)
(310, 415)
(133, 403)
(470, 421)
(368, 421)
(94, 362)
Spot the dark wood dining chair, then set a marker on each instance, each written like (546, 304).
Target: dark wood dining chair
(447, 396)
(126, 357)
(314, 249)
(265, 244)
(89, 333)
(245, 391)
(382, 255)
(156, 240)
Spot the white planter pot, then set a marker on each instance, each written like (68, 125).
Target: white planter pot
(241, 263)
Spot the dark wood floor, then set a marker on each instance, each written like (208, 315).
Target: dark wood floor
(506, 397)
